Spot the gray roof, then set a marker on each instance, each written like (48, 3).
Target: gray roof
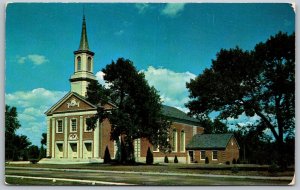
(175, 114)
(209, 141)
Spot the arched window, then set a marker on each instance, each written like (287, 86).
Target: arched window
(89, 63)
(182, 141)
(174, 144)
(78, 63)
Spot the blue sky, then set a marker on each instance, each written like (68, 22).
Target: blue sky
(171, 43)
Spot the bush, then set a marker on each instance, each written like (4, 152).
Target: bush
(273, 168)
(238, 161)
(206, 160)
(166, 159)
(107, 158)
(25, 156)
(149, 157)
(227, 163)
(234, 161)
(175, 159)
(234, 169)
(34, 161)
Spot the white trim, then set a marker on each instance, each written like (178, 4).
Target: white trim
(92, 146)
(62, 126)
(74, 113)
(212, 154)
(71, 130)
(48, 136)
(174, 139)
(182, 140)
(80, 136)
(96, 140)
(66, 137)
(201, 154)
(53, 137)
(155, 150)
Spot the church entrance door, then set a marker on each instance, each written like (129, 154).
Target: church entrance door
(59, 150)
(73, 150)
(87, 150)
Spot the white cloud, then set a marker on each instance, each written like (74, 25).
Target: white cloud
(31, 106)
(142, 7)
(173, 9)
(294, 6)
(33, 58)
(171, 85)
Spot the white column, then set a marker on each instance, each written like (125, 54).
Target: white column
(48, 136)
(96, 141)
(194, 130)
(65, 148)
(53, 137)
(80, 136)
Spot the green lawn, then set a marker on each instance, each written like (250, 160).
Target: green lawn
(166, 168)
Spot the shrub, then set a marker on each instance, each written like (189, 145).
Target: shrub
(234, 169)
(149, 157)
(206, 160)
(25, 156)
(273, 168)
(175, 159)
(166, 159)
(107, 158)
(227, 163)
(234, 161)
(34, 161)
(238, 161)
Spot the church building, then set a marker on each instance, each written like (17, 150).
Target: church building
(69, 139)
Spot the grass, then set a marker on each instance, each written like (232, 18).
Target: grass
(167, 168)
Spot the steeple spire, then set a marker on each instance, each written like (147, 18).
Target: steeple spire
(84, 45)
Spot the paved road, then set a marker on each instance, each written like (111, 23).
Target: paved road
(146, 178)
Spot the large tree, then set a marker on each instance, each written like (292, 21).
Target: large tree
(137, 112)
(14, 144)
(259, 82)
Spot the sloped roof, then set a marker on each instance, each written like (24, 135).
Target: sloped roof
(175, 114)
(209, 141)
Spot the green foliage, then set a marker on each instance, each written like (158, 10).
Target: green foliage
(107, 158)
(175, 159)
(44, 139)
(259, 82)
(33, 152)
(206, 160)
(238, 161)
(138, 106)
(273, 168)
(149, 157)
(227, 162)
(42, 152)
(166, 159)
(234, 169)
(14, 144)
(213, 127)
(25, 155)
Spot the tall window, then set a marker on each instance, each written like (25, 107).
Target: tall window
(202, 154)
(182, 141)
(73, 125)
(89, 63)
(78, 63)
(215, 155)
(174, 144)
(59, 126)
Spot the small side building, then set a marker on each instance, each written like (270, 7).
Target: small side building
(218, 148)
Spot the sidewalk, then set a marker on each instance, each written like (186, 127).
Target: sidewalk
(284, 178)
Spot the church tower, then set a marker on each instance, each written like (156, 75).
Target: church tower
(83, 64)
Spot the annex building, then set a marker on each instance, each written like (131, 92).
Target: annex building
(69, 139)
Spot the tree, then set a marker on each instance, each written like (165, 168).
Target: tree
(260, 82)
(44, 139)
(137, 112)
(14, 144)
(213, 127)
(33, 152)
(149, 156)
